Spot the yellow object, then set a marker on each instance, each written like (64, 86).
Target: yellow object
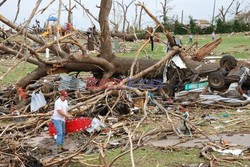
(51, 30)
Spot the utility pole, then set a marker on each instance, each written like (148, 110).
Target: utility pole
(182, 17)
(213, 12)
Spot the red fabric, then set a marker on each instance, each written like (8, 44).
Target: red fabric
(72, 125)
(22, 93)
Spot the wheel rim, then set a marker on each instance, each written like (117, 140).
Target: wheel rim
(216, 81)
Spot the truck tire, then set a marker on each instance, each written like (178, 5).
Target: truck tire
(229, 62)
(216, 80)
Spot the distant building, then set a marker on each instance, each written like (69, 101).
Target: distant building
(203, 24)
(245, 17)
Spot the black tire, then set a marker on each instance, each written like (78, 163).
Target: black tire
(168, 89)
(229, 62)
(216, 80)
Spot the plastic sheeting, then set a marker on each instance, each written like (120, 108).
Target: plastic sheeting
(96, 125)
(37, 101)
(71, 83)
(213, 99)
(188, 95)
(235, 152)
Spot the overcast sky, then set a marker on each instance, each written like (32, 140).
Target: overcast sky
(198, 9)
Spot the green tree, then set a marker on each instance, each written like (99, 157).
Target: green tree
(223, 27)
(219, 26)
(236, 26)
(192, 25)
(179, 28)
(194, 29)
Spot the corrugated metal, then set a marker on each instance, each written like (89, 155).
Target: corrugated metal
(71, 83)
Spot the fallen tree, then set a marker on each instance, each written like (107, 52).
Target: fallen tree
(106, 64)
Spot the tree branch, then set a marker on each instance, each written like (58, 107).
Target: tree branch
(2, 2)
(18, 8)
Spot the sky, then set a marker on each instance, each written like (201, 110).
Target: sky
(198, 9)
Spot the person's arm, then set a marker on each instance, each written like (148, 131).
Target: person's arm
(62, 113)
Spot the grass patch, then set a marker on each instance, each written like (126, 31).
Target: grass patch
(148, 156)
(236, 45)
(17, 73)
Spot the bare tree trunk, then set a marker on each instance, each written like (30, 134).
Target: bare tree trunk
(125, 10)
(136, 15)
(128, 27)
(140, 18)
(165, 9)
(105, 38)
(224, 13)
(116, 27)
(69, 13)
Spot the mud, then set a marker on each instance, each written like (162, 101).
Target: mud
(47, 142)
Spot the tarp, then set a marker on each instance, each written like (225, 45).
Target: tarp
(52, 18)
(37, 101)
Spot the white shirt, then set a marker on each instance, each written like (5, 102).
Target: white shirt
(60, 105)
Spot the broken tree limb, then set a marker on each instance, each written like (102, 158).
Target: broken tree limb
(131, 146)
(169, 119)
(206, 49)
(26, 115)
(20, 55)
(4, 130)
(136, 57)
(154, 67)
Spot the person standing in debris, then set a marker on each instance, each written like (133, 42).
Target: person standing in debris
(213, 35)
(58, 119)
(180, 40)
(190, 38)
(168, 47)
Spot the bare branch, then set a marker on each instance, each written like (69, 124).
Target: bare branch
(2, 2)
(223, 13)
(20, 56)
(125, 10)
(166, 32)
(237, 8)
(18, 9)
(45, 8)
(86, 10)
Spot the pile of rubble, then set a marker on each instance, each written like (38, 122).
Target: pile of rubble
(116, 113)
